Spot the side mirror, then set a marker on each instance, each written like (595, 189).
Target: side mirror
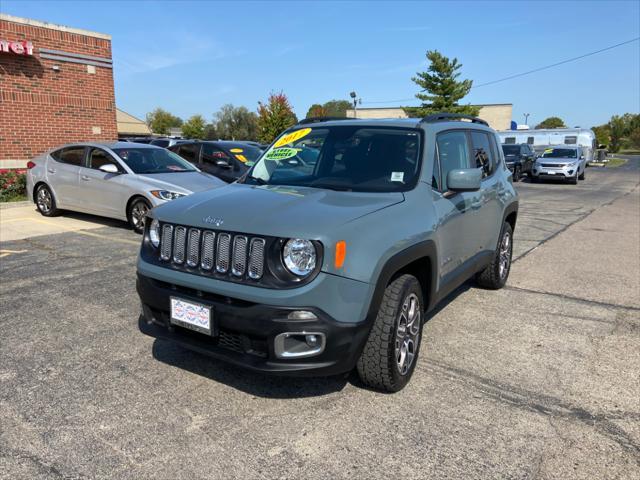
(464, 179)
(223, 164)
(108, 168)
(581, 157)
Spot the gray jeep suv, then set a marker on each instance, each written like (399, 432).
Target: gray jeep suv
(328, 253)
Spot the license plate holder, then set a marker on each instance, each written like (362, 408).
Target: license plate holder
(192, 315)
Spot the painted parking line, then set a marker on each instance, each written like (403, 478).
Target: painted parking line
(66, 230)
(6, 253)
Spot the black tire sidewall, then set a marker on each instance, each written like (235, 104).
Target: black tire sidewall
(411, 286)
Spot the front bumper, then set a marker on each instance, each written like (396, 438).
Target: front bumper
(247, 330)
(561, 172)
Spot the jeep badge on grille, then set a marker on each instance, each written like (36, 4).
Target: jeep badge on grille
(212, 220)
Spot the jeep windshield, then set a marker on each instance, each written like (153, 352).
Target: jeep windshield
(153, 160)
(348, 158)
(560, 153)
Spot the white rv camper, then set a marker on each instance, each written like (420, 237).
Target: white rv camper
(542, 138)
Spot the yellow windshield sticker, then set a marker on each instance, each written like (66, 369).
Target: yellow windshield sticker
(548, 150)
(278, 154)
(292, 137)
(236, 150)
(242, 158)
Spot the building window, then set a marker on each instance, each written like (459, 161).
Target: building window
(570, 140)
(510, 140)
(530, 140)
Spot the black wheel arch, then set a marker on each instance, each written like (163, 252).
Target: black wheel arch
(510, 215)
(419, 260)
(133, 198)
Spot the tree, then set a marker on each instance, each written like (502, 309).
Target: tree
(160, 121)
(617, 130)
(337, 108)
(274, 117)
(236, 123)
(316, 110)
(442, 87)
(210, 132)
(552, 122)
(194, 127)
(602, 134)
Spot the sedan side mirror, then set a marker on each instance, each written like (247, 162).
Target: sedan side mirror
(223, 164)
(464, 179)
(108, 168)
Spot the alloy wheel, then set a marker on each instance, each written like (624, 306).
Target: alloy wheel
(44, 200)
(505, 254)
(407, 333)
(138, 214)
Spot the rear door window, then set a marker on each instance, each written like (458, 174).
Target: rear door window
(189, 151)
(72, 156)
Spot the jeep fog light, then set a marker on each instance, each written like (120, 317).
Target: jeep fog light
(154, 233)
(301, 315)
(299, 344)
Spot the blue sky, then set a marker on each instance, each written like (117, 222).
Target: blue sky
(193, 57)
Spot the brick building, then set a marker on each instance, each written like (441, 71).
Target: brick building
(56, 86)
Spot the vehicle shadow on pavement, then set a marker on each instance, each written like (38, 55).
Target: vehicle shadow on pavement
(87, 217)
(253, 383)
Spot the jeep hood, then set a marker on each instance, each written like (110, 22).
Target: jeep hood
(281, 211)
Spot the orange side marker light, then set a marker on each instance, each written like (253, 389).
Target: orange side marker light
(341, 253)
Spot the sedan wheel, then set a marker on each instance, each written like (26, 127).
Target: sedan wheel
(45, 201)
(138, 213)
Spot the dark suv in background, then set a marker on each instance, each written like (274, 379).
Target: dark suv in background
(225, 160)
(519, 159)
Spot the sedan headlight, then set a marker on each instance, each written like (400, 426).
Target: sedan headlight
(154, 232)
(166, 194)
(299, 256)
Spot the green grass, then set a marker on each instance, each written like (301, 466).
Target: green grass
(615, 162)
(629, 152)
(13, 198)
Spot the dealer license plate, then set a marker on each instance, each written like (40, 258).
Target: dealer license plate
(193, 316)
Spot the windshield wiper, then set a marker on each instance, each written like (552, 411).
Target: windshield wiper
(336, 188)
(258, 180)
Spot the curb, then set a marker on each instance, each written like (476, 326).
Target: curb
(5, 205)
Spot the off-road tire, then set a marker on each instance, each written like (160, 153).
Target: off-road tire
(45, 201)
(377, 366)
(491, 276)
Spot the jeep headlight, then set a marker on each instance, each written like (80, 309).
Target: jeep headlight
(166, 194)
(299, 256)
(154, 233)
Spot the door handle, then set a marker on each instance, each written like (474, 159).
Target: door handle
(51, 170)
(85, 178)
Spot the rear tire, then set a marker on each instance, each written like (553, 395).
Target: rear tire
(495, 275)
(137, 213)
(45, 201)
(391, 352)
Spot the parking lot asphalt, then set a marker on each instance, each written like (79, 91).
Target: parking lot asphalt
(538, 380)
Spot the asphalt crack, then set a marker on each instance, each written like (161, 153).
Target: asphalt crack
(572, 298)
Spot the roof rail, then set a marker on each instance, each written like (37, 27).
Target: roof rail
(444, 117)
(321, 119)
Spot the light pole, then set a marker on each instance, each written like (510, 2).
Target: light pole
(526, 118)
(354, 98)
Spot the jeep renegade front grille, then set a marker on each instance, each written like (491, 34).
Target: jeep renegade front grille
(213, 252)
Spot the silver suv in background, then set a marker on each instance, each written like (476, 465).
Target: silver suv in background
(564, 163)
(119, 180)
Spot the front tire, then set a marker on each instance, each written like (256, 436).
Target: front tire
(391, 352)
(137, 214)
(46, 202)
(583, 175)
(517, 174)
(495, 275)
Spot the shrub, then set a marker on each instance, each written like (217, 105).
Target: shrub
(13, 184)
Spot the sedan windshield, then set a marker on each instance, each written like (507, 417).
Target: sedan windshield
(153, 160)
(511, 149)
(560, 153)
(350, 158)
